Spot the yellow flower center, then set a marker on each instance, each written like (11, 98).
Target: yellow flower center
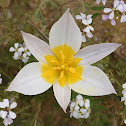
(88, 25)
(62, 67)
(113, 9)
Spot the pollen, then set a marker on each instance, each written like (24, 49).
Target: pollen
(62, 67)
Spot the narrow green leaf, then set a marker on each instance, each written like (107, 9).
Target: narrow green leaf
(42, 36)
(97, 8)
(95, 15)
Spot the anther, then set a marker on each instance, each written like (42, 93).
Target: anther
(71, 69)
(61, 74)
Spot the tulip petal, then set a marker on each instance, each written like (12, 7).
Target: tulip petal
(62, 95)
(94, 53)
(65, 31)
(94, 82)
(29, 81)
(37, 47)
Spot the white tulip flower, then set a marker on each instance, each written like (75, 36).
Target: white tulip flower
(62, 65)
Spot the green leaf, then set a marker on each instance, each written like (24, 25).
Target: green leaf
(97, 8)
(42, 36)
(95, 15)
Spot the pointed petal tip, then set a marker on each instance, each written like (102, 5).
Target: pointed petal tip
(64, 110)
(22, 32)
(114, 92)
(7, 89)
(68, 9)
(118, 45)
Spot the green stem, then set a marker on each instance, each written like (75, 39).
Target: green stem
(6, 16)
(23, 109)
(36, 115)
(2, 72)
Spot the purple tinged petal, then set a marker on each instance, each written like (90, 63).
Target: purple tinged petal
(89, 16)
(123, 18)
(116, 3)
(105, 17)
(113, 22)
(82, 15)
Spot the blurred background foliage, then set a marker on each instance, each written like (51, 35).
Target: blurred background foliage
(43, 110)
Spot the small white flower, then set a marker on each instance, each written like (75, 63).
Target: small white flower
(20, 52)
(111, 11)
(113, 22)
(121, 7)
(7, 121)
(124, 93)
(0, 79)
(87, 22)
(84, 34)
(81, 16)
(80, 108)
(6, 113)
(125, 121)
(15, 48)
(25, 59)
(103, 1)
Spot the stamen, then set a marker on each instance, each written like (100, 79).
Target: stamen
(63, 57)
(54, 61)
(61, 74)
(70, 60)
(71, 69)
(56, 68)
